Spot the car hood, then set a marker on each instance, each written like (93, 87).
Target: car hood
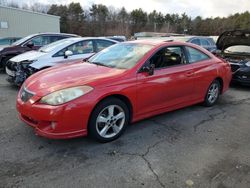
(71, 75)
(233, 38)
(5, 48)
(28, 56)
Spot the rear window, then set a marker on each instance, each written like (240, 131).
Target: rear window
(196, 55)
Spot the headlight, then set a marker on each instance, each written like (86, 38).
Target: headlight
(248, 64)
(25, 64)
(65, 95)
(1, 49)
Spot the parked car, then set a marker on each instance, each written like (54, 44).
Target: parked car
(31, 42)
(117, 38)
(22, 66)
(235, 48)
(205, 42)
(8, 41)
(124, 83)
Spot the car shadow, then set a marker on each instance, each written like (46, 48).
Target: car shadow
(137, 138)
(240, 87)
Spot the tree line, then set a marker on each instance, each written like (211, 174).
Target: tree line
(100, 20)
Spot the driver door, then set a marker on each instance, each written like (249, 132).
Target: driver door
(171, 84)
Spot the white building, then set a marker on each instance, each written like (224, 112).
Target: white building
(19, 23)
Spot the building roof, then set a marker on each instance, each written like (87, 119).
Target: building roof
(29, 11)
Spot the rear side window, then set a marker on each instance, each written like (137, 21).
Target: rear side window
(204, 42)
(167, 57)
(102, 44)
(211, 41)
(196, 55)
(196, 41)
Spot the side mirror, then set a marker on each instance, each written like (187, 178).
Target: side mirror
(67, 53)
(149, 69)
(30, 44)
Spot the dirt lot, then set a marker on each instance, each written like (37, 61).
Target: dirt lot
(191, 147)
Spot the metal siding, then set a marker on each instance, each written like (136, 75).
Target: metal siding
(22, 23)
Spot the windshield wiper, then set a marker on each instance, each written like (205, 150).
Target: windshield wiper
(98, 63)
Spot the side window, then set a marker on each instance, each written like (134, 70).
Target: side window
(168, 56)
(56, 38)
(204, 42)
(82, 47)
(196, 55)
(40, 40)
(101, 44)
(196, 41)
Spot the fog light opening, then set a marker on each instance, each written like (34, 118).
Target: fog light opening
(53, 125)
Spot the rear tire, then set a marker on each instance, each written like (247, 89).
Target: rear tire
(212, 94)
(108, 120)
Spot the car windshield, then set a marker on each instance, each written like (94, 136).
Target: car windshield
(238, 49)
(50, 47)
(121, 56)
(20, 41)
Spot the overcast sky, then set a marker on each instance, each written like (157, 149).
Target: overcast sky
(193, 8)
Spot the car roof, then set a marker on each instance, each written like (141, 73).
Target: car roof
(63, 43)
(76, 39)
(156, 42)
(54, 33)
(159, 43)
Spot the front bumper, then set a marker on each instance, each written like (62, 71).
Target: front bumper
(11, 75)
(58, 122)
(242, 76)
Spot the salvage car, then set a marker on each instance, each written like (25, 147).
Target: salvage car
(31, 42)
(67, 50)
(122, 84)
(235, 48)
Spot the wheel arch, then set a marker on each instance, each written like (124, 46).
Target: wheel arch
(121, 97)
(221, 83)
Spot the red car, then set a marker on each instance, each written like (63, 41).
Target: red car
(124, 83)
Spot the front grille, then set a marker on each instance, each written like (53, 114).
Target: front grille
(234, 67)
(25, 94)
(29, 120)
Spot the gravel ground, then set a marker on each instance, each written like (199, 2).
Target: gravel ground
(192, 147)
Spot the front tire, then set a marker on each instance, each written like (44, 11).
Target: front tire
(213, 93)
(4, 62)
(108, 120)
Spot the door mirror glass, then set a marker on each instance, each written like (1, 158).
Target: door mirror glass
(149, 69)
(68, 53)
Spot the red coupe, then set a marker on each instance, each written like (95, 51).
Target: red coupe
(124, 83)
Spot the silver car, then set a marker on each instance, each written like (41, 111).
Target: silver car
(67, 50)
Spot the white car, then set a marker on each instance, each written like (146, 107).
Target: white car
(67, 50)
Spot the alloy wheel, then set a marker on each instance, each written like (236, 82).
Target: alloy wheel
(213, 93)
(110, 121)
